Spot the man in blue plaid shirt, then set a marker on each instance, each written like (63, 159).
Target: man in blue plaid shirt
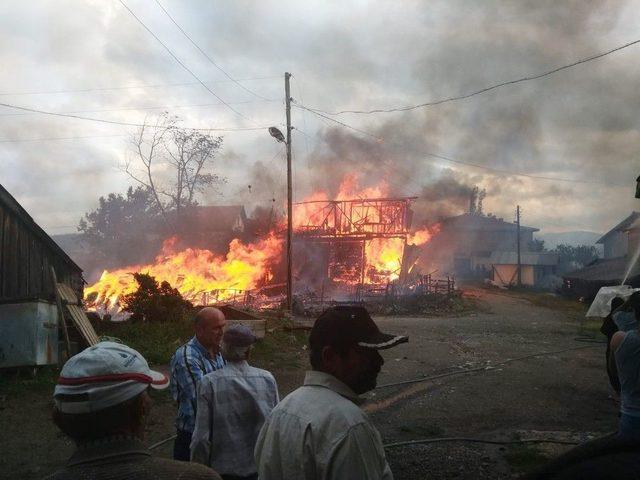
(192, 361)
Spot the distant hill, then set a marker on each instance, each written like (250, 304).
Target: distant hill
(551, 240)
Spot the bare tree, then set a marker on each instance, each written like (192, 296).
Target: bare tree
(173, 163)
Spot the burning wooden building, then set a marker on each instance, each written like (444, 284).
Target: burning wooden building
(356, 241)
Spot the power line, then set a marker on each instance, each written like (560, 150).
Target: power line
(483, 90)
(128, 124)
(207, 56)
(183, 65)
(133, 87)
(25, 140)
(469, 164)
(161, 107)
(302, 107)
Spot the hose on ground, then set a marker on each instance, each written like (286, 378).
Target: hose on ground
(162, 442)
(440, 440)
(480, 440)
(479, 369)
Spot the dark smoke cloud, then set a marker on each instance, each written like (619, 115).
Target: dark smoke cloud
(579, 123)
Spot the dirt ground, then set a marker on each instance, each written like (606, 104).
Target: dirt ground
(563, 396)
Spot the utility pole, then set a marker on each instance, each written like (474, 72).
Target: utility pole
(287, 93)
(518, 240)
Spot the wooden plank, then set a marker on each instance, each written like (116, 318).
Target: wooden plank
(35, 264)
(61, 320)
(67, 294)
(83, 324)
(10, 266)
(23, 261)
(2, 249)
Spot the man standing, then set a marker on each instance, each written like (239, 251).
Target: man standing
(318, 431)
(625, 346)
(189, 364)
(232, 406)
(101, 403)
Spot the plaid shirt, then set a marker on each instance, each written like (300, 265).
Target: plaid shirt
(189, 364)
(233, 404)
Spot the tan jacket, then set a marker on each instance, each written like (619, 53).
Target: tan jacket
(127, 457)
(318, 432)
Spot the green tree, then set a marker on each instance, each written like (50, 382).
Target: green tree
(122, 227)
(537, 245)
(580, 254)
(153, 302)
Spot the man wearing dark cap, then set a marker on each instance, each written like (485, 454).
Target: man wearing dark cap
(101, 403)
(232, 406)
(318, 431)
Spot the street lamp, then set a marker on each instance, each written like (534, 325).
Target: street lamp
(638, 187)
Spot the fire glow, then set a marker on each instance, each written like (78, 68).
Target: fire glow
(245, 267)
(195, 271)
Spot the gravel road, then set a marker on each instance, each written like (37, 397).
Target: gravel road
(564, 396)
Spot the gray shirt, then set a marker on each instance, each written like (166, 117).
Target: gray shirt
(625, 321)
(318, 432)
(628, 362)
(233, 403)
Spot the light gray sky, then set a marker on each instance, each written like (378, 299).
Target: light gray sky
(579, 124)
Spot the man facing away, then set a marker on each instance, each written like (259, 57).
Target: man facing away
(625, 346)
(191, 362)
(232, 406)
(100, 401)
(318, 431)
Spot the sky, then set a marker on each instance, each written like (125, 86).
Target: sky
(579, 127)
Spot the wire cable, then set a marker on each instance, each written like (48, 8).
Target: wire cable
(468, 164)
(483, 90)
(160, 107)
(207, 56)
(302, 107)
(183, 65)
(133, 87)
(128, 124)
(49, 139)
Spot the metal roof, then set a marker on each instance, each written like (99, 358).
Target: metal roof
(605, 270)
(468, 221)
(623, 225)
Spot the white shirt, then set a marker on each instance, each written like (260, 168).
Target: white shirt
(233, 403)
(318, 432)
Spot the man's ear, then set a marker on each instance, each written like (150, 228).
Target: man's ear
(330, 359)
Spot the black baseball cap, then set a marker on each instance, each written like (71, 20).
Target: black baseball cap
(350, 325)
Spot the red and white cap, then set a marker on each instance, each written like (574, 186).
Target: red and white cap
(102, 376)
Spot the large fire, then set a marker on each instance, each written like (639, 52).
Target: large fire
(195, 271)
(248, 266)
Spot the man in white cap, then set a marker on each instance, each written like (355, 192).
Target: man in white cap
(101, 402)
(232, 406)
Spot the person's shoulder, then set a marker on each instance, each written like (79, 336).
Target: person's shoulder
(183, 470)
(617, 339)
(320, 405)
(260, 372)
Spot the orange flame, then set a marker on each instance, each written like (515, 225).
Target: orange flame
(194, 271)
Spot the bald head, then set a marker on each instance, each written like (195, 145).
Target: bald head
(209, 325)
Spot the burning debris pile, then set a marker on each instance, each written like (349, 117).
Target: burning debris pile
(194, 272)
